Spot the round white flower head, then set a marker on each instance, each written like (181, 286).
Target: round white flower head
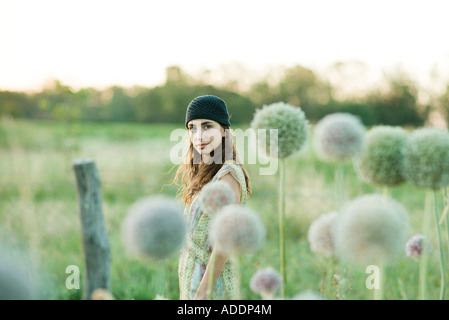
(320, 235)
(308, 295)
(426, 158)
(15, 283)
(371, 229)
(216, 195)
(338, 137)
(266, 282)
(381, 160)
(288, 122)
(154, 228)
(414, 246)
(237, 229)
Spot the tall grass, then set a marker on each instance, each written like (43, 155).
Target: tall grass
(38, 206)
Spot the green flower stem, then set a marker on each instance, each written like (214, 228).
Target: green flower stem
(160, 280)
(402, 289)
(329, 266)
(340, 184)
(333, 266)
(334, 278)
(281, 224)
(340, 200)
(440, 243)
(424, 255)
(445, 212)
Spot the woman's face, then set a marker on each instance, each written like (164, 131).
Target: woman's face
(205, 135)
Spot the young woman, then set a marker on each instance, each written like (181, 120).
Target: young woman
(211, 156)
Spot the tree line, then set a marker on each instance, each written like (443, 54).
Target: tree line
(397, 104)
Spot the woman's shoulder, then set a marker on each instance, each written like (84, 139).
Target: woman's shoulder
(235, 170)
(231, 166)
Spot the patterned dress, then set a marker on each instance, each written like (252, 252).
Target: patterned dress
(196, 252)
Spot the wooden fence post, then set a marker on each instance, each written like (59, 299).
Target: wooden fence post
(97, 252)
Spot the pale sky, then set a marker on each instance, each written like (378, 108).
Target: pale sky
(130, 42)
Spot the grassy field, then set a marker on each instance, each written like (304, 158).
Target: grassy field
(39, 210)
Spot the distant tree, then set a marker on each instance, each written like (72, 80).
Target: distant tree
(17, 104)
(175, 75)
(91, 104)
(398, 105)
(57, 101)
(120, 105)
(299, 86)
(261, 93)
(443, 104)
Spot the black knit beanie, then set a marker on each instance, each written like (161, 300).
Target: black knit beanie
(208, 107)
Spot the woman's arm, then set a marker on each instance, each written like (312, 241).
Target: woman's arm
(234, 185)
(218, 266)
(220, 258)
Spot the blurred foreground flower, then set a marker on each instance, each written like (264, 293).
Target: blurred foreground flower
(415, 245)
(291, 125)
(237, 229)
(426, 158)
(426, 165)
(320, 235)
(381, 161)
(338, 137)
(101, 294)
(266, 282)
(15, 283)
(371, 230)
(216, 195)
(154, 227)
(282, 130)
(308, 295)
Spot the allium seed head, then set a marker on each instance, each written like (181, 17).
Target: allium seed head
(237, 229)
(216, 195)
(308, 295)
(381, 161)
(291, 125)
(426, 158)
(371, 230)
(414, 246)
(266, 282)
(101, 294)
(338, 137)
(154, 227)
(320, 235)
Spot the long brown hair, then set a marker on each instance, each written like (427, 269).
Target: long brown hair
(195, 173)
